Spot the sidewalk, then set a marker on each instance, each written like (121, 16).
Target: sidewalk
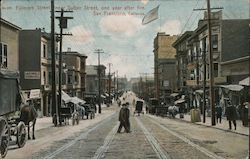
(224, 125)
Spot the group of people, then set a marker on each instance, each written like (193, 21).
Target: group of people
(231, 114)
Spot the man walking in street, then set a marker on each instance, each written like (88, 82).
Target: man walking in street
(123, 118)
(127, 114)
(231, 115)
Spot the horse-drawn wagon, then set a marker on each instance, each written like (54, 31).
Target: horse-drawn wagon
(10, 101)
(138, 107)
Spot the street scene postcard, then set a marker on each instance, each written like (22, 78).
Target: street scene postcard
(124, 79)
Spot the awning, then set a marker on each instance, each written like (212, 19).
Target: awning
(179, 101)
(199, 91)
(77, 100)
(174, 94)
(245, 82)
(233, 87)
(65, 97)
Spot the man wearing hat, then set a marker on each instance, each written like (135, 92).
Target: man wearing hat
(123, 118)
(127, 122)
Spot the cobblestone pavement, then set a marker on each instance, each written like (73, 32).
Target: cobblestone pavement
(151, 137)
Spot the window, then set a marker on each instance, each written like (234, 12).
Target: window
(216, 70)
(215, 42)
(44, 50)
(69, 79)
(44, 77)
(3, 55)
(50, 78)
(76, 79)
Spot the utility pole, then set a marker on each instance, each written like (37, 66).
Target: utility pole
(204, 79)
(157, 79)
(117, 81)
(52, 35)
(109, 82)
(211, 64)
(146, 85)
(63, 25)
(114, 85)
(99, 51)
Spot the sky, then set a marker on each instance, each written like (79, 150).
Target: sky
(115, 26)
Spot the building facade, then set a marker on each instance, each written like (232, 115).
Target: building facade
(230, 48)
(92, 79)
(74, 73)
(35, 68)
(9, 45)
(164, 64)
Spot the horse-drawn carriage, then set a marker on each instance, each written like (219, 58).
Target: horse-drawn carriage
(10, 101)
(139, 107)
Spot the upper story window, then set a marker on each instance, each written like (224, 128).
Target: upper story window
(3, 55)
(215, 42)
(44, 51)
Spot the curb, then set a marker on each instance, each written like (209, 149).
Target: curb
(213, 127)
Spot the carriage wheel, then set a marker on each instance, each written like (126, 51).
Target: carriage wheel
(5, 139)
(21, 134)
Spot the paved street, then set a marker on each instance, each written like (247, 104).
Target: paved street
(151, 137)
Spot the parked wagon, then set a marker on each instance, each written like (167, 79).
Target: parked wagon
(10, 100)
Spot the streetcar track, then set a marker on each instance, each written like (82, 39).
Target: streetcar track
(153, 142)
(201, 149)
(109, 138)
(82, 136)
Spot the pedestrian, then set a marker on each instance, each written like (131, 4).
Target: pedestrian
(245, 114)
(218, 110)
(122, 119)
(119, 102)
(127, 114)
(231, 115)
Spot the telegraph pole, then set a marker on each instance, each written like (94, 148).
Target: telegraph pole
(99, 51)
(109, 82)
(204, 80)
(117, 81)
(63, 25)
(146, 84)
(211, 64)
(52, 35)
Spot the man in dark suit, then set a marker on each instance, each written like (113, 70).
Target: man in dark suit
(123, 118)
(231, 115)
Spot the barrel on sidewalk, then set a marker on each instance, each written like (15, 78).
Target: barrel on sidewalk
(195, 115)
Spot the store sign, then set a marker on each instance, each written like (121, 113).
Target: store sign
(34, 93)
(32, 75)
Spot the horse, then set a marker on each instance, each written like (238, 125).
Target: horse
(29, 114)
(173, 110)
